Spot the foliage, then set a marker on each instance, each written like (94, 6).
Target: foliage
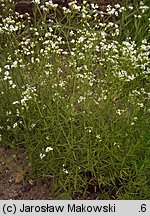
(74, 95)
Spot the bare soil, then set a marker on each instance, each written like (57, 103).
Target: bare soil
(12, 184)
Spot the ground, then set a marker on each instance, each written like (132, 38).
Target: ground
(15, 186)
(12, 184)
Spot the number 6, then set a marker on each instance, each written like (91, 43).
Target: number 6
(143, 208)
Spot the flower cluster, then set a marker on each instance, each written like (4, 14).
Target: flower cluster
(48, 149)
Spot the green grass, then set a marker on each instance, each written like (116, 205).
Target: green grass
(78, 83)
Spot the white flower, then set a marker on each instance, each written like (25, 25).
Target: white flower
(83, 15)
(8, 113)
(140, 104)
(141, 3)
(42, 155)
(15, 125)
(98, 137)
(119, 112)
(8, 127)
(6, 67)
(13, 85)
(36, 1)
(71, 33)
(10, 82)
(6, 73)
(117, 6)
(81, 39)
(81, 98)
(130, 7)
(48, 149)
(115, 144)
(49, 3)
(66, 171)
(36, 33)
(33, 125)
(144, 8)
(15, 102)
(14, 64)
